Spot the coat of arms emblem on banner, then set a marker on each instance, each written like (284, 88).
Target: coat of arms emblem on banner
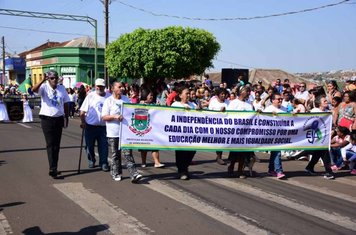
(140, 122)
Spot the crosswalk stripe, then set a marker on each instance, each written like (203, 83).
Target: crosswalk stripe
(321, 190)
(332, 217)
(203, 207)
(4, 225)
(346, 181)
(24, 125)
(117, 220)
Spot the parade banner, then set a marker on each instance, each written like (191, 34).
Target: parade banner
(169, 128)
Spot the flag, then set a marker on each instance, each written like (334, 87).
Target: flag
(25, 86)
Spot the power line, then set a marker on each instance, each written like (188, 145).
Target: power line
(234, 18)
(43, 31)
(233, 63)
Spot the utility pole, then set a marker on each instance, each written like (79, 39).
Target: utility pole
(106, 14)
(3, 60)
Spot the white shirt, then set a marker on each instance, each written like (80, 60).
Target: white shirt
(257, 105)
(52, 100)
(318, 110)
(239, 105)
(302, 95)
(113, 106)
(216, 105)
(190, 105)
(273, 109)
(92, 106)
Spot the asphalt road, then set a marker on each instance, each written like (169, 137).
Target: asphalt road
(31, 202)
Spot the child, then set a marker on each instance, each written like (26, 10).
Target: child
(339, 141)
(349, 154)
(4, 117)
(27, 112)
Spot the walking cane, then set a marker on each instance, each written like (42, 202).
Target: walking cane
(81, 150)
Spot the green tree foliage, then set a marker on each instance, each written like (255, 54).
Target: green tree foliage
(173, 52)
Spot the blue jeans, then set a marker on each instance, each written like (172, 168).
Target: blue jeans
(335, 154)
(275, 162)
(92, 134)
(351, 156)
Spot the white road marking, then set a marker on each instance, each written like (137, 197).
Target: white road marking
(346, 181)
(209, 210)
(24, 125)
(118, 221)
(321, 190)
(332, 217)
(4, 225)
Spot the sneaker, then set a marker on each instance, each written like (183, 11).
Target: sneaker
(136, 178)
(117, 177)
(91, 164)
(184, 177)
(353, 172)
(105, 167)
(53, 173)
(242, 176)
(329, 176)
(303, 158)
(272, 173)
(220, 161)
(310, 172)
(280, 175)
(160, 165)
(295, 153)
(334, 168)
(143, 165)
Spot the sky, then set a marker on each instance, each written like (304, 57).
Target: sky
(314, 41)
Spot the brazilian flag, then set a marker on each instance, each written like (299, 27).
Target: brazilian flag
(25, 86)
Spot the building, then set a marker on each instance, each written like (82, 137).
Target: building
(15, 70)
(73, 60)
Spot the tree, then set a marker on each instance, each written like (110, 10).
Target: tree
(172, 52)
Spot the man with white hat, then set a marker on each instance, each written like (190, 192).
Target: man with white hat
(94, 126)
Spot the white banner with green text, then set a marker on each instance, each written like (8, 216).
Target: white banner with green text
(168, 128)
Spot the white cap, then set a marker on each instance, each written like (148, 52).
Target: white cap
(99, 82)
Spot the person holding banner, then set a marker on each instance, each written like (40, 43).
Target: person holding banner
(321, 105)
(219, 104)
(184, 157)
(239, 104)
(147, 99)
(275, 162)
(112, 115)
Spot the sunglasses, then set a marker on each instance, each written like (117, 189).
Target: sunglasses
(52, 78)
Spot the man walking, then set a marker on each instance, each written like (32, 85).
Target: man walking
(53, 115)
(94, 126)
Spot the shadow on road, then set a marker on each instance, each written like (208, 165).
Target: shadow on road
(91, 230)
(2, 162)
(10, 204)
(36, 149)
(75, 172)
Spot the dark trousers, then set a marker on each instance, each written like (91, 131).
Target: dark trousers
(183, 160)
(52, 129)
(316, 155)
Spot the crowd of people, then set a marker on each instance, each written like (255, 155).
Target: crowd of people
(12, 91)
(100, 114)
